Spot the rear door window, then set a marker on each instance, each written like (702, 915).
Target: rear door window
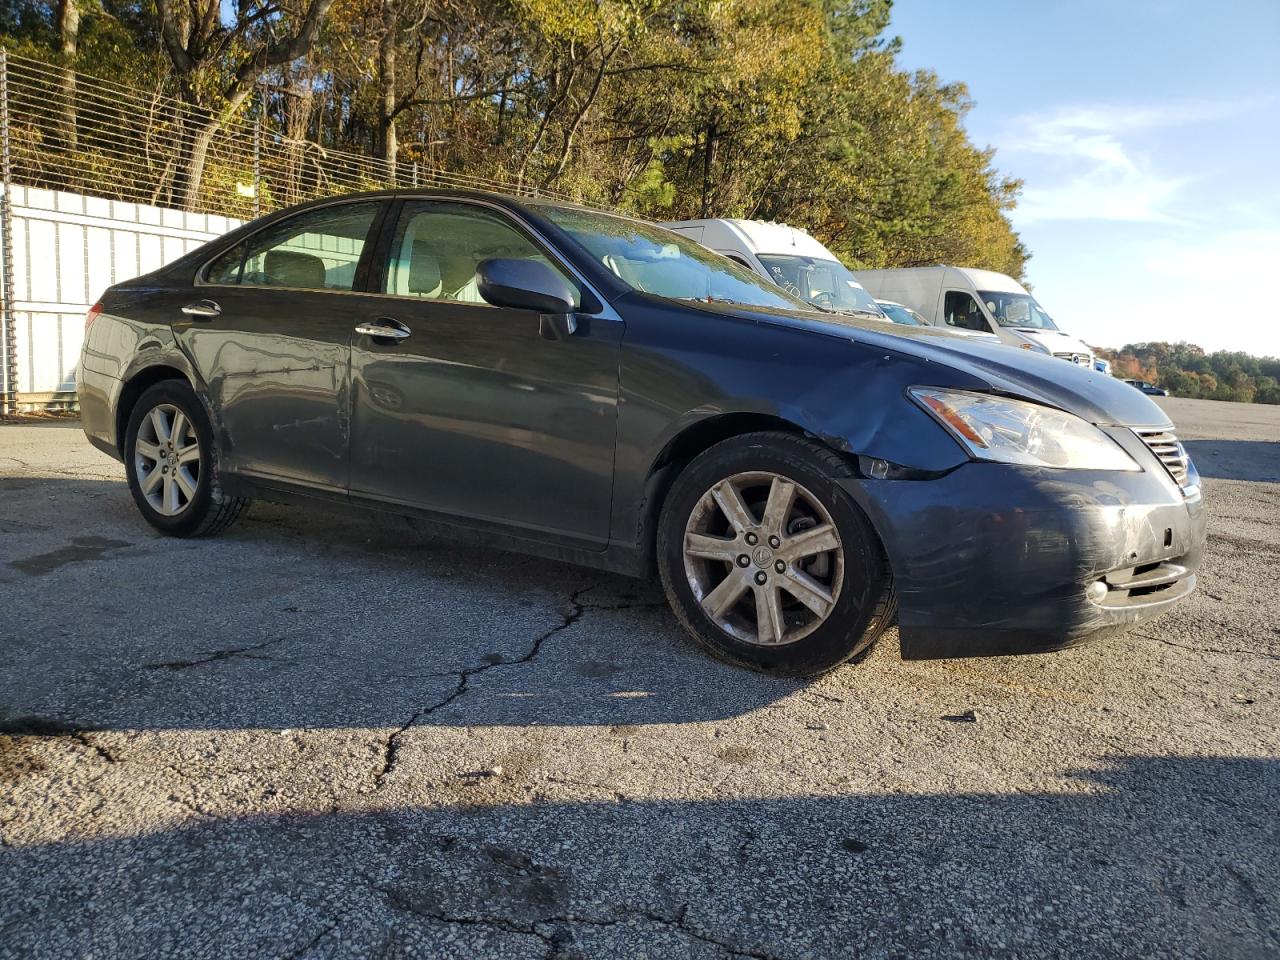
(316, 250)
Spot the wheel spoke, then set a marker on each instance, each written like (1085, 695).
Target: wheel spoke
(710, 548)
(169, 496)
(770, 625)
(819, 539)
(189, 454)
(728, 592)
(152, 479)
(184, 484)
(178, 432)
(782, 494)
(160, 425)
(807, 590)
(147, 449)
(730, 502)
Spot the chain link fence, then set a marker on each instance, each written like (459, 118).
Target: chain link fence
(83, 134)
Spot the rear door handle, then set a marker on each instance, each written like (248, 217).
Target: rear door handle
(384, 328)
(202, 310)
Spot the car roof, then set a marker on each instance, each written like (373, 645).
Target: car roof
(528, 204)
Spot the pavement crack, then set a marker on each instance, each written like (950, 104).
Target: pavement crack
(680, 921)
(213, 656)
(1225, 651)
(544, 928)
(330, 926)
(391, 748)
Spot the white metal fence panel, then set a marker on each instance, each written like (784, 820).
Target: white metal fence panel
(67, 249)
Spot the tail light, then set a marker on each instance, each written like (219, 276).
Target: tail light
(92, 315)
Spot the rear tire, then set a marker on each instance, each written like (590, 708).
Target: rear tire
(815, 589)
(171, 464)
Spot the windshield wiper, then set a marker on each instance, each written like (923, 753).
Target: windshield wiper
(713, 300)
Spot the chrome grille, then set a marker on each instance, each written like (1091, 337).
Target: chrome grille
(1168, 450)
(1079, 359)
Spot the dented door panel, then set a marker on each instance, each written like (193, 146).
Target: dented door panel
(276, 366)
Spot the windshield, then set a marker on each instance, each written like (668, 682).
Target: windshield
(900, 314)
(1017, 310)
(653, 260)
(824, 283)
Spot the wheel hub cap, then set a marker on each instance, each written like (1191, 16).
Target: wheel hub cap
(763, 558)
(166, 459)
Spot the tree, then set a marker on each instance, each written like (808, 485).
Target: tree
(68, 17)
(217, 64)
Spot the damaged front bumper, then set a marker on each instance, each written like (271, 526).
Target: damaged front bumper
(995, 559)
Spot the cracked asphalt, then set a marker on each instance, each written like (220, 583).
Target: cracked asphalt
(322, 735)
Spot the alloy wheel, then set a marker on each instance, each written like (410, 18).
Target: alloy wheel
(764, 558)
(166, 459)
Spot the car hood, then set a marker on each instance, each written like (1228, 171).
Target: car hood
(1025, 374)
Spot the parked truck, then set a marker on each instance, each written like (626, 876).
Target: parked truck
(979, 300)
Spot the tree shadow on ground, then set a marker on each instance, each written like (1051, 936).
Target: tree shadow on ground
(1141, 857)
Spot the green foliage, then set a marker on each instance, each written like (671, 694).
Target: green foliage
(1185, 370)
(793, 110)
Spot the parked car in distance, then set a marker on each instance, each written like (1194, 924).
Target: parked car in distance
(1102, 366)
(1150, 389)
(586, 387)
(900, 313)
(786, 255)
(981, 300)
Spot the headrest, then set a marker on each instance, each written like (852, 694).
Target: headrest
(285, 268)
(424, 272)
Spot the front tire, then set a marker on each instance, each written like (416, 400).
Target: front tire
(767, 562)
(171, 464)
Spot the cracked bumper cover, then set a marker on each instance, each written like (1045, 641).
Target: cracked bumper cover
(995, 559)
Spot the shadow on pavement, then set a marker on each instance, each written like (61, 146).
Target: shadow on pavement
(1149, 857)
(1256, 460)
(324, 618)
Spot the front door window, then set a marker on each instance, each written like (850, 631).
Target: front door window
(438, 246)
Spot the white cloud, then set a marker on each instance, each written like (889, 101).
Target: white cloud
(1081, 162)
(1101, 194)
(1212, 289)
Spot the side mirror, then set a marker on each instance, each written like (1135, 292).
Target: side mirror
(523, 284)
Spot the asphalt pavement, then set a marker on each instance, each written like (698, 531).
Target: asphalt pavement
(324, 735)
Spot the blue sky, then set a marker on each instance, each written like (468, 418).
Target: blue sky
(1148, 137)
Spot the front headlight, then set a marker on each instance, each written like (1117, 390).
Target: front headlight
(1011, 431)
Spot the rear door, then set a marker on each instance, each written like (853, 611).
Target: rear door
(471, 413)
(269, 330)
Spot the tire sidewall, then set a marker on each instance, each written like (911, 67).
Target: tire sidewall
(845, 633)
(180, 395)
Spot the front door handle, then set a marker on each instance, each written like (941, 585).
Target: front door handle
(384, 328)
(202, 310)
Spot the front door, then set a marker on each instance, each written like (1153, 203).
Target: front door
(473, 414)
(269, 330)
